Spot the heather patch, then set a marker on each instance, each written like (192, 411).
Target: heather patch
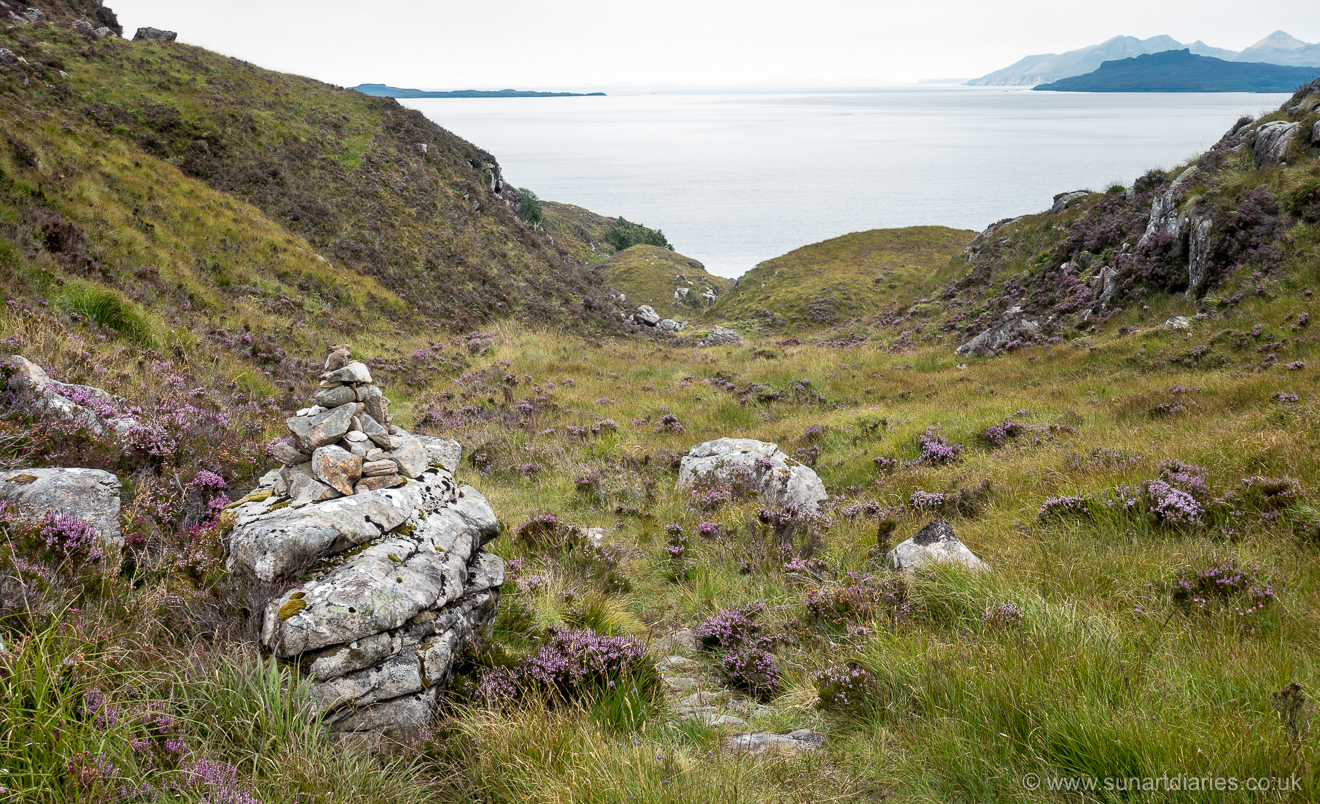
(1222, 588)
(570, 666)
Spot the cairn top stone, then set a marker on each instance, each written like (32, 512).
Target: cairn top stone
(353, 372)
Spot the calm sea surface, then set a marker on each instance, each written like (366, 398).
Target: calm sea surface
(734, 178)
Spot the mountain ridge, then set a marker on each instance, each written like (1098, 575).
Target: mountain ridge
(1183, 71)
(1277, 48)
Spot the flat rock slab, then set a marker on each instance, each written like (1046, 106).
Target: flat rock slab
(779, 480)
(89, 494)
(795, 741)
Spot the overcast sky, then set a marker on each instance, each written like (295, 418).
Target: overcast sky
(446, 44)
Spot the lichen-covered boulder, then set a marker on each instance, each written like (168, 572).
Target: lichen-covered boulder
(88, 494)
(779, 480)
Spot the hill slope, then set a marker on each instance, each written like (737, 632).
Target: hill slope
(653, 275)
(378, 191)
(1181, 71)
(838, 280)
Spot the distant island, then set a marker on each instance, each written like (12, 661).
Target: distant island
(1277, 48)
(1183, 71)
(383, 91)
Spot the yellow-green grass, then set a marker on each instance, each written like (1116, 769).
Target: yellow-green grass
(651, 275)
(845, 278)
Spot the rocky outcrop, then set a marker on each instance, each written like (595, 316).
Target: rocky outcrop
(799, 741)
(979, 242)
(934, 543)
(154, 35)
(995, 339)
(1164, 215)
(648, 317)
(778, 479)
(1064, 201)
(1315, 133)
(387, 553)
(88, 494)
(1272, 141)
(34, 392)
(1198, 252)
(720, 336)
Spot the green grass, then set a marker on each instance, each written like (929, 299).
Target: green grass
(650, 275)
(107, 308)
(836, 281)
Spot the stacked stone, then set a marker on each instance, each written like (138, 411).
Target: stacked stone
(387, 554)
(347, 442)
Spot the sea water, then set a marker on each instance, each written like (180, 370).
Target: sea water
(737, 177)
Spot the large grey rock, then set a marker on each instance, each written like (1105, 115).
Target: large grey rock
(1063, 201)
(444, 452)
(1272, 141)
(669, 325)
(647, 315)
(284, 541)
(411, 457)
(779, 480)
(1164, 215)
(354, 372)
(327, 427)
(1315, 133)
(89, 407)
(154, 35)
(337, 468)
(721, 336)
(1198, 252)
(88, 494)
(798, 741)
(934, 543)
(993, 338)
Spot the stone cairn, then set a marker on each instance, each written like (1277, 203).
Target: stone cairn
(381, 553)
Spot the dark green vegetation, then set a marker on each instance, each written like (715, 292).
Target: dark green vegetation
(382, 91)
(1181, 71)
(592, 237)
(1147, 494)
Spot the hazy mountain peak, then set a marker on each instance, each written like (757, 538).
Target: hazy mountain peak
(1281, 40)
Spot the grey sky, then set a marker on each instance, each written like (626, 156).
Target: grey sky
(584, 43)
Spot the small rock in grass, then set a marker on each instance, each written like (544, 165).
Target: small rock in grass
(934, 543)
(795, 741)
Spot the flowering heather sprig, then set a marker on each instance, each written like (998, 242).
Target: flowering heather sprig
(588, 482)
(926, 501)
(936, 449)
(1226, 587)
(1286, 398)
(843, 688)
(678, 542)
(861, 598)
(572, 664)
(1171, 506)
(217, 782)
(752, 667)
(813, 568)
(1296, 365)
(669, 423)
(1005, 615)
(545, 530)
(886, 465)
(1187, 477)
(814, 432)
(1268, 493)
(1071, 506)
(69, 537)
(729, 627)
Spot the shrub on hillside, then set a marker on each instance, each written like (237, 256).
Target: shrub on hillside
(843, 689)
(624, 234)
(529, 206)
(572, 665)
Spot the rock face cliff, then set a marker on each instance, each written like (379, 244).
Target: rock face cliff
(382, 554)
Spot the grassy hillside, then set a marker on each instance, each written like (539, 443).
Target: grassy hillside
(115, 152)
(843, 279)
(1147, 495)
(650, 275)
